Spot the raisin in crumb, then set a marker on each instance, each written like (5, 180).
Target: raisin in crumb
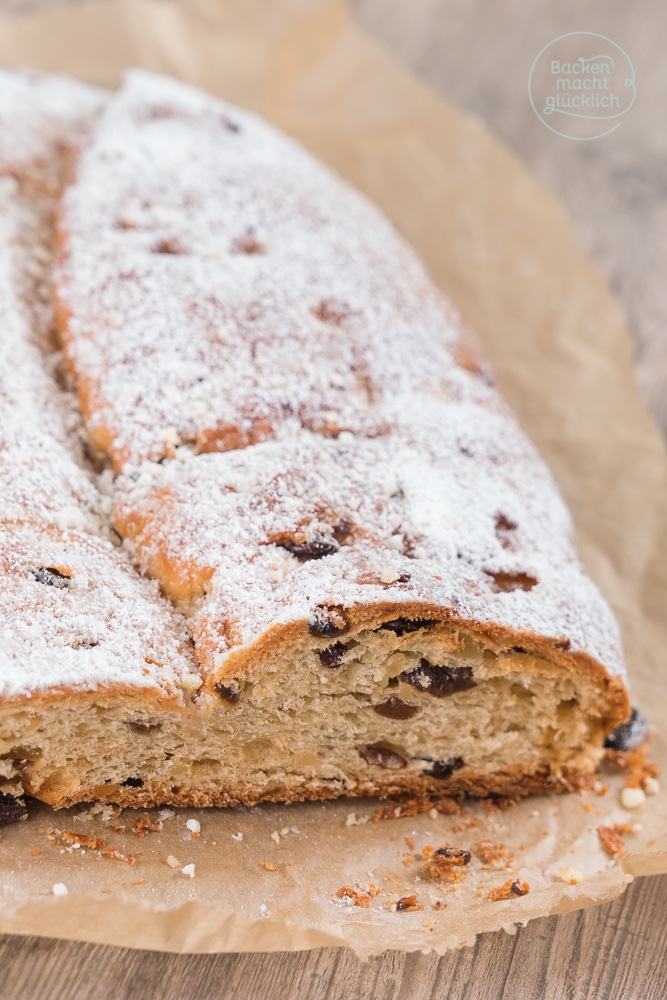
(328, 621)
(402, 625)
(229, 694)
(438, 681)
(332, 656)
(444, 768)
(12, 809)
(395, 708)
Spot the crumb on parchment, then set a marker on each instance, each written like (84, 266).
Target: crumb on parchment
(359, 894)
(611, 838)
(513, 887)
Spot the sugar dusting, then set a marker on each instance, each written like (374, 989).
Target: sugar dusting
(74, 614)
(274, 375)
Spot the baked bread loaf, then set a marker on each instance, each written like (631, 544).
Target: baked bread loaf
(368, 582)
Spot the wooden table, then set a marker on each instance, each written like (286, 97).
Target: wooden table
(477, 53)
(614, 952)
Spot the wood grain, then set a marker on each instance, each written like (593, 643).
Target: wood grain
(614, 952)
(477, 53)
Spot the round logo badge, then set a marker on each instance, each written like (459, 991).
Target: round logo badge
(581, 84)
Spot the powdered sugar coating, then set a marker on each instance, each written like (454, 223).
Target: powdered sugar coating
(75, 617)
(269, 533)
(39, 115)
(219, 286)
(102, 625)
(40, 478)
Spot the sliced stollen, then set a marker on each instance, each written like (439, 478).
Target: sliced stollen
(374, 568)
(85, 643)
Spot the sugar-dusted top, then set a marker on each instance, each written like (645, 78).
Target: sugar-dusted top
(466, 519)
(218, 285)
(74, 615)
(222, 291)
(297, 414)
(41, 114)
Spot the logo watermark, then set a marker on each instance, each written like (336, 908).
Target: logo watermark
(581, 84)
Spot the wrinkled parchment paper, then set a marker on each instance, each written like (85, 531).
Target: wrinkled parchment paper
(267, 878)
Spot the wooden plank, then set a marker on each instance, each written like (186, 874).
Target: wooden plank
(612, 952)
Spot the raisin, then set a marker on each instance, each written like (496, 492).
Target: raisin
(228, 693)
(21, 764)
(168, 246)
(503, 523)
(342, 530)
(394, 708)
(328, 621)
(443, 768)
(52, 577)
(332, 656)
(408, 903)
(12, 809)
(453, 856)
(134, 782)
(402, 625)
(505, 582)
(316, 548)
(519, 888)
(383, 757)
(248, 244)
(438, 681)
(630, 734)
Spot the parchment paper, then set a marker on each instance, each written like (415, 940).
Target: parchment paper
(500, 246)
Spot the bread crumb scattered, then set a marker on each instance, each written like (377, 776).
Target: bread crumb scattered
(145, 825)
(189, 870)
(59, 889)
(570, 875)
(358, 894)
(173, 862)
(409, 904)
(651, 785)
(237, 836)
(513, 887)
(611, 838)
(269, 865)
(632, 798)
(353, 820)
(194, 826)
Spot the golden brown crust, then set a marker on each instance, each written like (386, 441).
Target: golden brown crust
(503, 784)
